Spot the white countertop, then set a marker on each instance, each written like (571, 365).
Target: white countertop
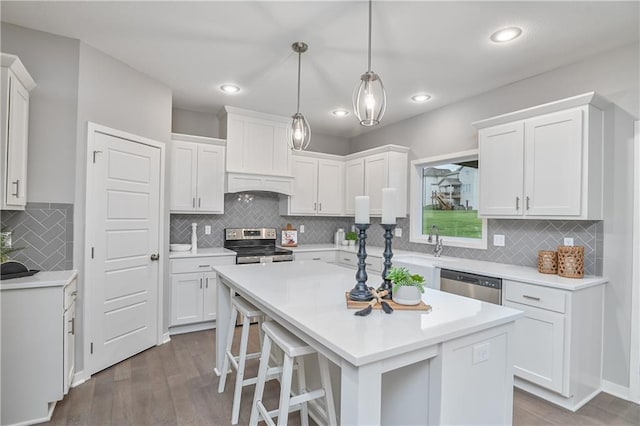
(41, 279)
(498, 270)
(310, 295)
(202, 252)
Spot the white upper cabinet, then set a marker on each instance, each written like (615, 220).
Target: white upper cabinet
(256, 142)
(353, 184)
(367, 172)
(544, 162)
(197, 174)
(16, 85)
(317, 187)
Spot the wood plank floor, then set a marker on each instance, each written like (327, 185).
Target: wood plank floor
(174, 384)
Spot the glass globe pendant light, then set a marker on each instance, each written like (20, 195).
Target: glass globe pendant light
(369, 98)
(299, 133)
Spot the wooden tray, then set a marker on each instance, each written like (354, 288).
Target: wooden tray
(352, 304)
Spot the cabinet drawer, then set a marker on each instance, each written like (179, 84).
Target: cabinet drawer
(323, 256)
(199, 264)
(533, 295)
(70, 292)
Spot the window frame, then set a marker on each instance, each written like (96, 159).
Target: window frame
(415, 195)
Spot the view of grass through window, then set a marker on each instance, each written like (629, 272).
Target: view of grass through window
(450, 200)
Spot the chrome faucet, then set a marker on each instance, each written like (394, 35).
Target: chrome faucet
(437, 250)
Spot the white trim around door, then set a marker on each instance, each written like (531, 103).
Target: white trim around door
(95, 133)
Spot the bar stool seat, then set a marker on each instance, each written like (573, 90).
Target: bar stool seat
(294, 349)
(249, 313)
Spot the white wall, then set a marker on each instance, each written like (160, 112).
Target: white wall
(115, 95)
(52, 61)
(194, 123)
(448, 129)
(205, 124)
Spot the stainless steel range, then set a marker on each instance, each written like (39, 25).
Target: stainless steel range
(255, 245)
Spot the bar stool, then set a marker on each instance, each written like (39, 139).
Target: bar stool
(294, 349)
(249, 312)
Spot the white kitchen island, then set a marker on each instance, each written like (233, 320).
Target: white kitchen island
(450, 366)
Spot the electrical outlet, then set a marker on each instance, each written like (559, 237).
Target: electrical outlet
(302, 229)
(398, 232)
(481, 353)
(207, 229)
(568, 241)
(498, 240)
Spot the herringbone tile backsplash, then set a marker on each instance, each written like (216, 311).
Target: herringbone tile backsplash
(45, 233)
(524, 238)
(262, 211)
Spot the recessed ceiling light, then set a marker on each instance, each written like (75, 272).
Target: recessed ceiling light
(340, 112)
(506, 34)
(423, 97)
(229, 88)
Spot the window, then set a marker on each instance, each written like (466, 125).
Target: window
(444, 197)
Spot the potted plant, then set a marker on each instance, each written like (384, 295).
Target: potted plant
(5, 245)
(352, 237)
(407, 287)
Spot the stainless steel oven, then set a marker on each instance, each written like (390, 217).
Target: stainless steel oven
(487, 289)
(255, 245)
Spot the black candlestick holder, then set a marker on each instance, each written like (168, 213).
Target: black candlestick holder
(388, 254)
(361, 292)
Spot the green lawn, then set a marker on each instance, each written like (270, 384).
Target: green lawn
(452, 223)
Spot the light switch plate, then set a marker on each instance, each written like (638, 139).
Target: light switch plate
(398, 232)
(481, 353)
(568, 241)
(207, 229)
(302, 229)
(498, 240)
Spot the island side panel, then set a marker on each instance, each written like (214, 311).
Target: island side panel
(222, 322)
(360, 394)
(476, 379)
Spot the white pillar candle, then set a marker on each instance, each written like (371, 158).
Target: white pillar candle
(388, 206)
(362, 209)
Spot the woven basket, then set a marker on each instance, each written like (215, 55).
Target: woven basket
(571, 261)
(547, 262)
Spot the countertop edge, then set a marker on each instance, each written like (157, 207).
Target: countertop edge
(41, 280)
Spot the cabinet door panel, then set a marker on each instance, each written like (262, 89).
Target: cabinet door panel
(210, 181)
(209, 297)
(69, 346)
(539, 347)
(501, 160)
(305, 186)
(183, 176)
(553, 149)
(354, 184)
(375, 178)
(330, 184)
(16, 183)
(186, 298)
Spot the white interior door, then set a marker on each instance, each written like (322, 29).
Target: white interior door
(123, 231)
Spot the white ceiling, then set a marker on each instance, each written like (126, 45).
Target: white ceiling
(441, 48)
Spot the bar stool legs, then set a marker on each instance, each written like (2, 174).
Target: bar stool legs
(249, 312)
(294, 349)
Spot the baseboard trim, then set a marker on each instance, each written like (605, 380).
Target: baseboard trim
(79, 378)
(616, 390)
(188, 328)
(166, 338)
(571, 403)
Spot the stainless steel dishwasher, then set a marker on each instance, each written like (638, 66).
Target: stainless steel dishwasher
(487, 289)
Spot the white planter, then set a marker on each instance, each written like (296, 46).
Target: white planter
(407, 295)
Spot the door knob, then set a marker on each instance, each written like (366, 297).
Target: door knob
(155, 256)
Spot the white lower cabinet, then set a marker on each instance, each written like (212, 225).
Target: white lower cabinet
(558, 343)
(321, 256)
(193, 289)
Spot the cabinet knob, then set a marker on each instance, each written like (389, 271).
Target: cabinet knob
(155, 256)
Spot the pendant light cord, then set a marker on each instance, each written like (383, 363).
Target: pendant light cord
(298, 106)
(370, 3)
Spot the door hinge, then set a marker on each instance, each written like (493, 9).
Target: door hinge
(94, 155)
(92, 252)
(92, 348)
